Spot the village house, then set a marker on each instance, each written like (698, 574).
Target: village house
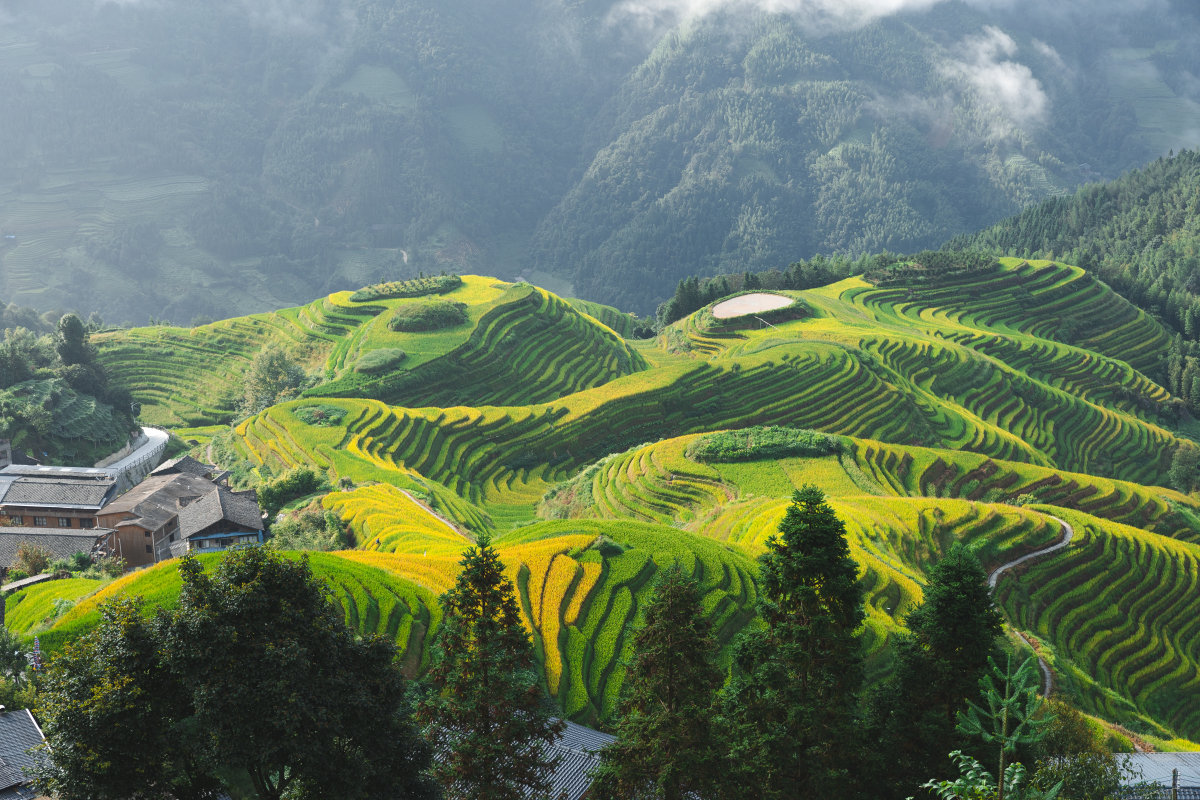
(54, 497)
(166, 515)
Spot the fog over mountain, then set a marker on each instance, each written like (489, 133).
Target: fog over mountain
(168, 159)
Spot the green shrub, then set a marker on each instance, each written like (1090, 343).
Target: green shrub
(417, 287)
(273, 494)
(762, 442)
(380, 360)
(321, 416)
(428, 315)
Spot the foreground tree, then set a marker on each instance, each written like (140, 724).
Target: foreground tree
(1012, 717)
(666, 746)
(938, 665)
(117, 723)
(792, 708)
(284, 689)
(487, 717)
(254, 670)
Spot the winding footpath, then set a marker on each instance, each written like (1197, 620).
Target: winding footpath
(1068, 535)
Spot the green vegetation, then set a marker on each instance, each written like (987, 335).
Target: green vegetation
(410, 288)
(432, 315)
(381, 360)
(756, 443)
(321, 416)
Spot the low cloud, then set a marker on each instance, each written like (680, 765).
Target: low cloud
(815, 15)
(982, 62)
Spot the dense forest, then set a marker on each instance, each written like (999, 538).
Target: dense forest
(171, 160)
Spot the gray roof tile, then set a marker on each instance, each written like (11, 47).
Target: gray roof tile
(155, 501)
(61, 542)
(58, 492)
(18, 734)
(185, 465)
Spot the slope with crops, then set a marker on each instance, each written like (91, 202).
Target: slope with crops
(934, 402)
(517, 344)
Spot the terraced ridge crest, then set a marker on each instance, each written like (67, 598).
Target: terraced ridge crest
(520, 345)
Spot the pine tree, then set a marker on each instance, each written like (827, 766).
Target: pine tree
(486, 717)
(937, 668)
(1011, 718)
(792, 708)
(666, 746)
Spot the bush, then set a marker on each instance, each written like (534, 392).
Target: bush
(274, 494)
(32, 559)
(309, 530)
(428, 315)
(762, 442)
(380, 360)
(416, 287)
(320, 416)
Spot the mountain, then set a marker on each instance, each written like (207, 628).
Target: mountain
(178, 160)
(934, 400)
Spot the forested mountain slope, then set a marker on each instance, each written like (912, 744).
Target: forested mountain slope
(174, 160)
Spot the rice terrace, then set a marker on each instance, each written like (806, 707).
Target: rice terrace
(977, 406)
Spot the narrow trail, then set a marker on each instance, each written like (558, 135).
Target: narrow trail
(437, 516)
(994, 578)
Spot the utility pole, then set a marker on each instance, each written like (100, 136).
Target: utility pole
(1175, 784)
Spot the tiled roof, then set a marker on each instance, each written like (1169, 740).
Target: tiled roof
(18, 734)
(70, 473)
(236, 507)
(61, 542)
(155, 501)
(1156, 768)
(57, 492)
(184, 465)
(576, 751)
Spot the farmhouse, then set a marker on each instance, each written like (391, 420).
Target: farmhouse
(58, 497)
(159, 517)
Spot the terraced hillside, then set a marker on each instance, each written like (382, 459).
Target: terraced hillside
(1117, 611)
(861, 365)
(659, 483)
(190, 377)
(970, 407)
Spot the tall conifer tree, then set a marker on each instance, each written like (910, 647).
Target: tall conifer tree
(938, 665)
(792, 709)
(666, 747)
(487, 719)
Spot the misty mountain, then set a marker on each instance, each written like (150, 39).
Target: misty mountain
(168, 159)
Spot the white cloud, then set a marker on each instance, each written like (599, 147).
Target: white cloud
(813, 14)
(1010, 86)
(1050, 54)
